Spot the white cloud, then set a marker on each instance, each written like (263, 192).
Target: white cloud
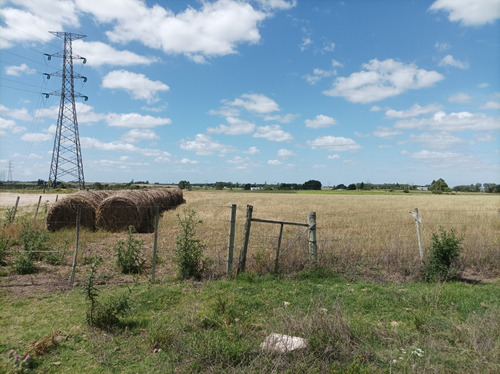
(445, 160)
(375, 108)
(135, 120)
(138, 85)
(459, 98)
(18, 70)
(273, 133)
(320, 74)
(442, 46)
(287, 118)
(120, 146)
(449, 60)
(334, 144)
(21, 114)
(385, 132)
(214, 30)
(36, 137)
(256, 103)
(333, 157)
(277, 4)
(460, 121)
(236, 126)
(491, 105)
(320, 121)
(252, 150)
(285, 153)
(306, 42)
(10, 126)
(382, 79)
(414, 111)
(203, 145)
(35, 19)
(136, 135)
(274, 162)
(469, 12)
(440, 140)
(484, 138)
(98, 54)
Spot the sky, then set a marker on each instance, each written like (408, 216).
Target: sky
(257, 91)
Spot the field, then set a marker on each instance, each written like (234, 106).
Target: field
(374, 316)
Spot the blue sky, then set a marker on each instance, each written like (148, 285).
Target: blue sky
(258, 91)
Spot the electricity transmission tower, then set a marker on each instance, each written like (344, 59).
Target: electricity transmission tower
(67, 155)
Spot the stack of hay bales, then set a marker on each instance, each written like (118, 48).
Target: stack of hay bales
(63, 213)
(114, 211)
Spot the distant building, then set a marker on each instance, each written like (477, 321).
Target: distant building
(256, 188)
(423, 188)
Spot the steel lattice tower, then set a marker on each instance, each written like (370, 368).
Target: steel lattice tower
(67, 155)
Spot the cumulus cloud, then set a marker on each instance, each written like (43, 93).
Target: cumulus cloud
(334, 144)
(136, 135)
(491, 105)
(120, 146)
(98, 54)
(274, 162)
(135, 120)
(8, 125)
(385, 132)
(414, 111)
(213, 30)
(285, 153)
(460, 121)
(17, 71)
(382, 79)
(320, 121)
(449, 60)
(257, 103)
(459, 98)
(440, 140)
(203, 145)
(36, 20)
(236, 126)
(36, 137)
(273, 133)
(469, 12)
(252, 150)
(138, 85)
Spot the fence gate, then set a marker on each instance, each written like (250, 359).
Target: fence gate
(311, 230)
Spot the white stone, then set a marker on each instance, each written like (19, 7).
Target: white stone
(283, 343)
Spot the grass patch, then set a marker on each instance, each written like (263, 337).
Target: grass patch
(217, 327)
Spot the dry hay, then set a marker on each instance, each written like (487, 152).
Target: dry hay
(63, 213)
(136, 208)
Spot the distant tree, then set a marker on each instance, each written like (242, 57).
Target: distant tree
(184, 185)
(247, 187)
(341, 186)
(312, 185)
(98, 186)
(40, 182)
(439, 186)
(362, 186)
(219, 185)
(489, 187)
(351, 187)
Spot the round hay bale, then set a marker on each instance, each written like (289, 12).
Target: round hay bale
(63, 213)
(135, 208)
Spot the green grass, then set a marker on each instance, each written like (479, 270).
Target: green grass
(217, 327)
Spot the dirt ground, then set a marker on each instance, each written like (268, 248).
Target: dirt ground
(8, 199)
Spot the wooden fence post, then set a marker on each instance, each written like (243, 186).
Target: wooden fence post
(278, 249)
(37, 207)
(73, 267)
(230, 246)
(243, 253)
(418, 221)
(155, 245)
(313, 247)
(15, 209)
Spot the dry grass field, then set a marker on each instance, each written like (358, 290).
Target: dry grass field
(370, 235)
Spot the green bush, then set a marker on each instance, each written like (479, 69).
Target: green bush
(24, 263)
(4, 246)
(34, 239)
(445, 249)
(189, 249)
(129, 258)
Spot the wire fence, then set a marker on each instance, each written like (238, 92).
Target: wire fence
(380, 238)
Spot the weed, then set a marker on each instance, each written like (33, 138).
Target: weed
(34, 239)
(24, 263)
(18, 365)
(161, 334)
(129, 258)
(4, 245)
(444, 250)
(9, 216)
(103, 315)
(189, 249)
(55, 258)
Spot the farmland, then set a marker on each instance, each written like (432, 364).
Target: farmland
(368, 262)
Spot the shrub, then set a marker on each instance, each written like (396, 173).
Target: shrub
(189, 249)
(24, 263)
(34, 239)
(129, 258)
(9, 216)
(444, 250)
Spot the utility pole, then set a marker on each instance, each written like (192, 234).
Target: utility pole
(67, 155)
(9, 178)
